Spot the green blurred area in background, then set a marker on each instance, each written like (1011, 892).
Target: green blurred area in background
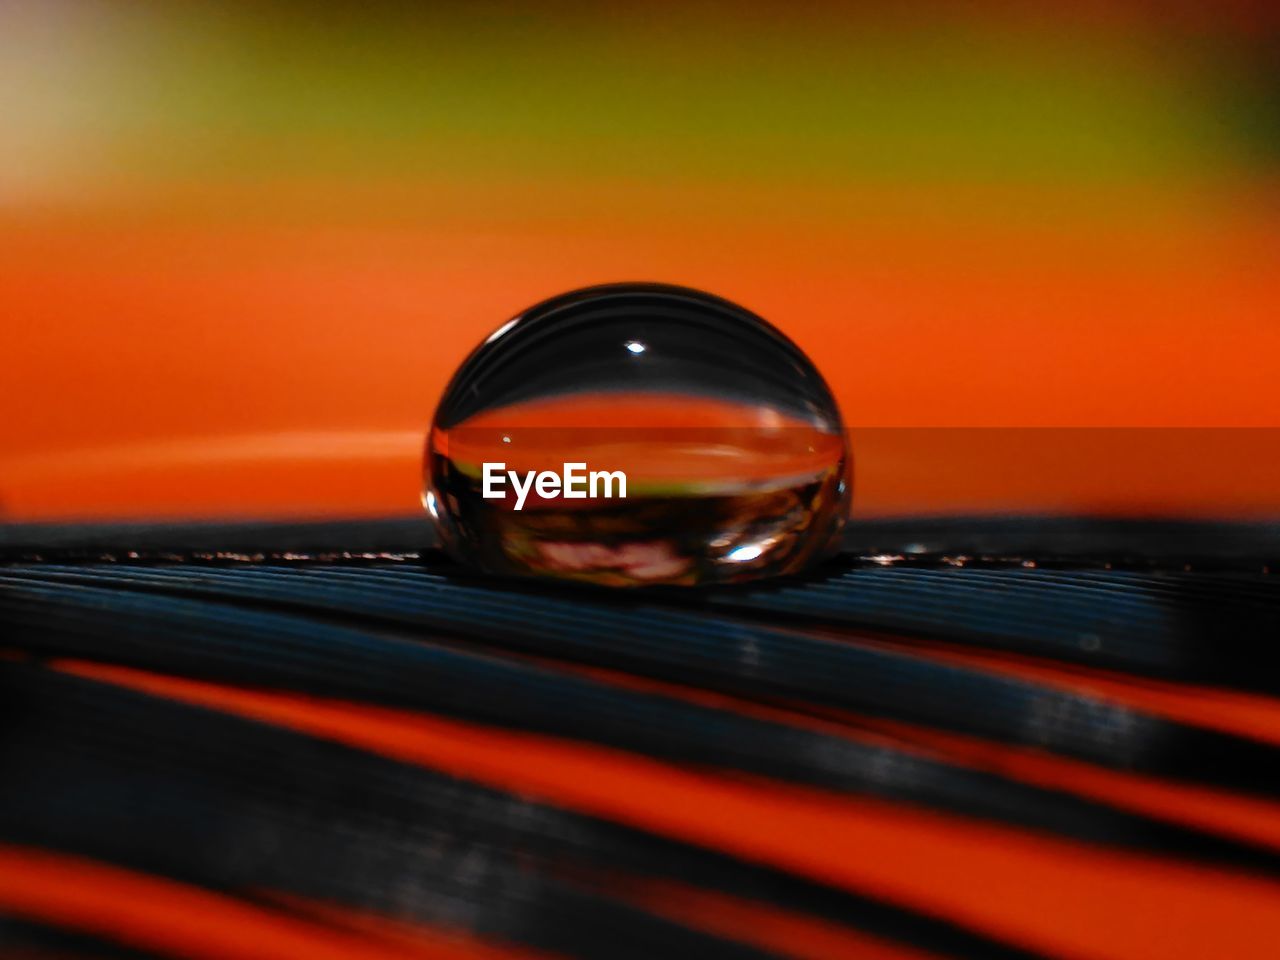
(726, 91)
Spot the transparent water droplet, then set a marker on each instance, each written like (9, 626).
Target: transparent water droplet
(723, 436)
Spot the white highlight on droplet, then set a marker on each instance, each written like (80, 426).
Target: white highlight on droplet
(501, 330)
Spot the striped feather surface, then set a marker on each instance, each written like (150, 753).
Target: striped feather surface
(1001, 739)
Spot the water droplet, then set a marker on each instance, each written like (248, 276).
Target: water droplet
(638, 434)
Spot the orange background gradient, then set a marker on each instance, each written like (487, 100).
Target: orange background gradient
(204, 316)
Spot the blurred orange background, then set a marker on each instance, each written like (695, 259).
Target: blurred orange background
(242, 249)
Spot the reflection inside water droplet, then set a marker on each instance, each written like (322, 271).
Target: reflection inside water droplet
(638, 434)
